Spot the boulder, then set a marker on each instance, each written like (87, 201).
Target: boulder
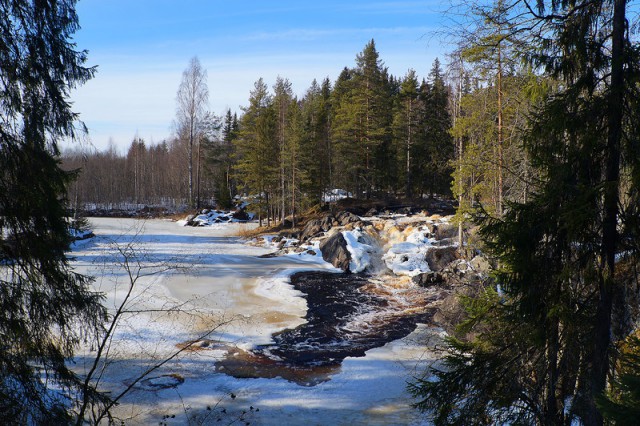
(315, 227)
(371, 212)
(451, 311)
(460, 268)
(327, 222)
(428, 279)
(445, 230)
(438, 258)
(343, 218)
(334, 250)
(311, 230)
(240, 215)
(480, 265)
(190, 220)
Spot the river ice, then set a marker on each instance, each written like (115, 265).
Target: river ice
(206, 283)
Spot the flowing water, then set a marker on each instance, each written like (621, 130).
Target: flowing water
(317, 342)
(347, 315)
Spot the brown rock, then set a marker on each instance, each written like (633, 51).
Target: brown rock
(438, 258)
(445, 230)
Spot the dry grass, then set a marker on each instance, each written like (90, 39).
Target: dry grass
(248, 232)
(177, 216)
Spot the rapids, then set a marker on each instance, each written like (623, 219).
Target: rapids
(347, 315)
(264, 325)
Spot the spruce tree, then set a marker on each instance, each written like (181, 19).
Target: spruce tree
(362, 121)
(344, 133)
(315, 144)
(45, 308)
(543, 343)
(257, 150)
(439, 148)
(407, 130)
(223, 157)
(373, 115)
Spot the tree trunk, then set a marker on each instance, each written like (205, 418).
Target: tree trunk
(456, 115)
(602, 332)
(190, 155)
(198, 177)
(409, 128)
(500, 136)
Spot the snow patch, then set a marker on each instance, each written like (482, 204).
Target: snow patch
(409, 257)
(335, 195)
(214, 217)
(363, 249)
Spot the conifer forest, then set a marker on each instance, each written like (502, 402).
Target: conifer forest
(528, 128)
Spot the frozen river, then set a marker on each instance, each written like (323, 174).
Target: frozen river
(209, 286)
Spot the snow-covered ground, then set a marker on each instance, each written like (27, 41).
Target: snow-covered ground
(206, 283)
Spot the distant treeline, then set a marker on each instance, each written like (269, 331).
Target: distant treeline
(369, 133)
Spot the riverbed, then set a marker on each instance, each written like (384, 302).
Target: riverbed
(209, 291)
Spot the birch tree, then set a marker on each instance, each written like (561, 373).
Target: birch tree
(192, 99)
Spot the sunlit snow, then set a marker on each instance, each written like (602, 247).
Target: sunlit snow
(203, 282)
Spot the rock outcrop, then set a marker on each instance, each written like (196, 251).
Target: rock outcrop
(439, 258)
(334, 250)
(413, 250)
(316, 227)
(428, 279)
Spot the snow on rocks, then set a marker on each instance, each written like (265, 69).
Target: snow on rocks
(405, 245)
(212, 217)
(363, 248)
(409, 257)
(413, 245)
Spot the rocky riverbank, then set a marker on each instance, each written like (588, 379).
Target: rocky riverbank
(396, 252)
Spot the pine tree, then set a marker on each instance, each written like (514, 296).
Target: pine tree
(283, 96)
(46, 308)
(297, 173)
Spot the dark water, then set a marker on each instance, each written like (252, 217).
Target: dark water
(346, 317)
(342, 321)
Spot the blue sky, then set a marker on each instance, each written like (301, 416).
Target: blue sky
(141, 48)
